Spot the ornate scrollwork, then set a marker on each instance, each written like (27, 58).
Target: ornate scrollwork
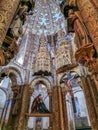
(7, 10)
(3, 73)
(95, 2)
(86, 56)
(72, 2)
(89, 14)
(8, 50)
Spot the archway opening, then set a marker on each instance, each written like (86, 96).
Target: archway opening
(77, 112)
(39, 107)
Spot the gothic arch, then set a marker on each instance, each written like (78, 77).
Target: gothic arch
(44, 80)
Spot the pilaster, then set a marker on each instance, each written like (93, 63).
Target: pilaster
(90, 104)
(24, 107)
(50, 108)
(94, 92)
(65, 116)
(55, 103)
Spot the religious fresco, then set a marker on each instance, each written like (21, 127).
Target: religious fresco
(38, 123)
(39, 104)
(71, 124)
(61, 105)
(75, 100)
(47, 18)
(39, 100)
(81, 114)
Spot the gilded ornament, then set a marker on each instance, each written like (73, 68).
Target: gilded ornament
(9, 49)
(7, 10)
(95, 2)
(2, 59)
(71, 2)
(90, 16)
(85, 56)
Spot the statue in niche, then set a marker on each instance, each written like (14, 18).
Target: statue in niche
(82, 36)
(16, 26)
(38, 105)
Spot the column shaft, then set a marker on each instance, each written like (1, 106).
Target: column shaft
(94, 92)
(64, 109)
(61, 109)
(24, 107)
(55, 109)
(50, 109)
(90, 104)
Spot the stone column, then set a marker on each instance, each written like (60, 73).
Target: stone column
(90, 16)
(15, 108)
(55, 109)
(24, 107)
(95, 78)
(26, 124)
(61, 109)
(50, 100)
(28, 105)
(50, 108)
(90, 104)
(94, 92)
(64, 108)
(7, 11)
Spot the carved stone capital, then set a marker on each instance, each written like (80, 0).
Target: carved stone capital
(7, 11)
(50, 93)
(3, 72)
(8, 50)
(63, 89)
(86, 56)
(95, 2)
(30, 91)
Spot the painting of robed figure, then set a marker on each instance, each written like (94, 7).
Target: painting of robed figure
(38, 105)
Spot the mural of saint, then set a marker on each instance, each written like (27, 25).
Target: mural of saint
(38, 106)
(38, 124)
(78, 113)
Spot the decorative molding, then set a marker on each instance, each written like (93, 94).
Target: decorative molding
(8, 50)
(41, 79)
(95, 2)
(85, 56)
(7, 10)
